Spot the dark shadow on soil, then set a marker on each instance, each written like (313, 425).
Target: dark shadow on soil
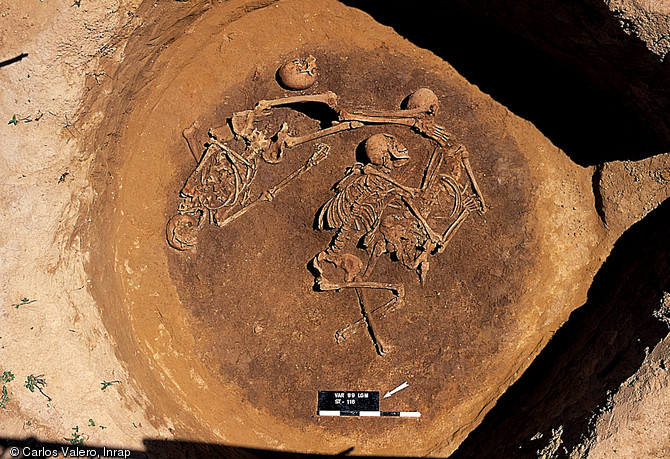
(317, 111)
(168, 449)
(602, 344)
(567, 67)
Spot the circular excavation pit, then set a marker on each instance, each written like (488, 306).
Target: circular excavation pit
(444, 255)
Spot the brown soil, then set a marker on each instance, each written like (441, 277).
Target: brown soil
(235, 325)
(249, 291)
(228, 344)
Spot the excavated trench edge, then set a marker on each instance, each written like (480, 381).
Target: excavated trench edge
(602, 344)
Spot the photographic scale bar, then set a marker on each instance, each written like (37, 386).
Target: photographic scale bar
(358, 403)
(395, 414)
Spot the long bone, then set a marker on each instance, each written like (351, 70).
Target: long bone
(430, 175)
(282, 139)
(188, 135)
(329, 98)
(419, 118)
(449, 232)
(435, 162)
(423, 121)
(432, 167)
(407, 113)
(376, 341)
(242, 122)
(269, 194)
(397, 289)
(471, 175)
(341, 334)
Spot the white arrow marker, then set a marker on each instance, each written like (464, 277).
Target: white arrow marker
(399, 388)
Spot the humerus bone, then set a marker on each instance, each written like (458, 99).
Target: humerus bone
(420, 114)
(268, 195)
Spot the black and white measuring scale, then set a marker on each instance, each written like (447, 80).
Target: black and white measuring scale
(356, 403)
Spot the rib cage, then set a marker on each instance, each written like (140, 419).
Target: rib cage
(220, 182)
(357, 207)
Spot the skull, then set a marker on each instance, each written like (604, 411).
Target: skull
(385, 150)
(298, 74)
(423, 98)
(181, 231)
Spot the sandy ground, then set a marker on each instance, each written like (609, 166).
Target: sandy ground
(56, 332)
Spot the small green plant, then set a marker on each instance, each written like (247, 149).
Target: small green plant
(23, 302)
(77, 3)
(106, 384)
(36, 382)
(30, 383)
(4, 398)
(13, 121)
(91, 423)
(75, 438)
(7, 376)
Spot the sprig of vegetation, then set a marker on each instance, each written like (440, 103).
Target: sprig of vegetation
(4, 398)
(23, 302)
(75, 438)
(13, 121)
(7, 376)
(36, 382)
(106, 384)
(91, 423)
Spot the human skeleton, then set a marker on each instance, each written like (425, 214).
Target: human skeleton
(372, 208)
